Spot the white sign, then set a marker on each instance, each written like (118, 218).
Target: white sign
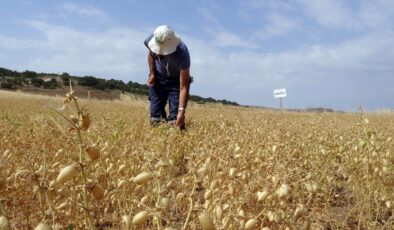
(278, 93)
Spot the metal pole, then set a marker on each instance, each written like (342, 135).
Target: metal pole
(280, 102)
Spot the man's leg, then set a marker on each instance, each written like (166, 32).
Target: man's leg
(164, 113)
(174, 104)
(158, 98)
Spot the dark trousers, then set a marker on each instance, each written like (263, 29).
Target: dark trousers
(159, 94)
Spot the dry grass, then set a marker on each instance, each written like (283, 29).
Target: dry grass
(322, 171)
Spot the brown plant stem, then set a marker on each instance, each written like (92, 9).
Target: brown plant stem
(191, 203)
(81, 164)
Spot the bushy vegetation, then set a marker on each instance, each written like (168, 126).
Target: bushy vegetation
(99, 164)
(51, 84)
(10, 79)
(37, 82)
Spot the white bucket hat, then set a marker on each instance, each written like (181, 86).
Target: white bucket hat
(164, 41)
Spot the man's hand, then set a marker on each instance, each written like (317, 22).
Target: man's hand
(180, 119)
(183, 97)
(151, 80)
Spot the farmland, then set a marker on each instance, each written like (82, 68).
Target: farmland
(234, 167)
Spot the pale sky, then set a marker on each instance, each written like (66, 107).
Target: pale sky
(333, 53)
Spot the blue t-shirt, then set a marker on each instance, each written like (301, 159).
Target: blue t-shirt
(167, 68)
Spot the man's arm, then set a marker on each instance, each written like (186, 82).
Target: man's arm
(151, 62)
(183, 96)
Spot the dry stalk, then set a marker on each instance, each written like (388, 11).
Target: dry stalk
(191, 202)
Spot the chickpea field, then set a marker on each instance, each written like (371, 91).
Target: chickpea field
(89, 164)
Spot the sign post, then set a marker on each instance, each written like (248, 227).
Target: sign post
(279, 93)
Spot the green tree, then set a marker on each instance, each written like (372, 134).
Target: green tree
(29, 74)
(52, 84)
(8, 73)
(37, 82)
(116, 84)
(20, 80)
(88, 81)
(8, 84)
(137, 88)
(65, 78)
(101, 84)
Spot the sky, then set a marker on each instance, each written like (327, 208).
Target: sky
(337, 54)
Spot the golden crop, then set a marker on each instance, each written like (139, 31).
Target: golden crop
(100, 165)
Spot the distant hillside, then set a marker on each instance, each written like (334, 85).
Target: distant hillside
(316, 110)
(54, 84)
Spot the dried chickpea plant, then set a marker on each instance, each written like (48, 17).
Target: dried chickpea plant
(235, 168)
